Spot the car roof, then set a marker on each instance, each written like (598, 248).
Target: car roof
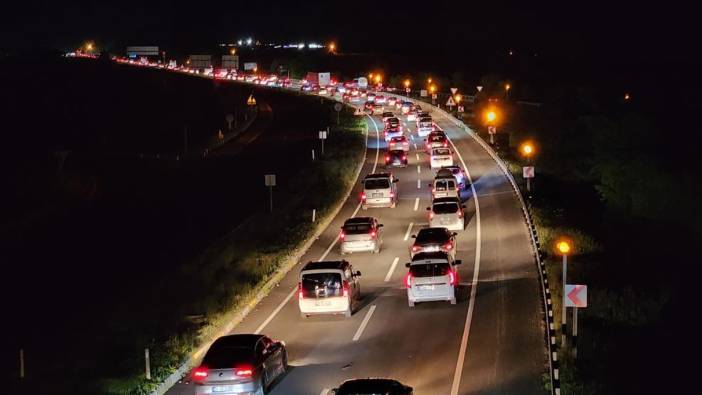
(378, 175)
(445, 200)
(403, 137)
(358, 220)
(237, 341)
(396, 152)
(326, 265)
(436, 231)
(431, 257)
(370, 384)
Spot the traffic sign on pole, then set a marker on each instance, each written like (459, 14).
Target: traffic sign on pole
(479, 87)
(454, 90)
(322, 136)
(576, 295)
(450, 102)
(492, 129)
(461, 109)
(528, 171)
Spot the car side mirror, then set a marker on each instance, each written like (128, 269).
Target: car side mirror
(428, 208)
(358, 273)
(334, 390)
(407, 264)
(380, 225)
(396, 180)
(414, 236)
(463, 205)
(457, 262)
(454, 234)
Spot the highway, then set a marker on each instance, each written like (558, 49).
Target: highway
(491, 342)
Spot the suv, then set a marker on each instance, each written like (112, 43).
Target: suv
(431, 276)
(396, 158)
(456, 172)
(447, 212)
(436, 140)
(379, 190)
(329, 287)
(389, 133)
(361, 234)
(392, 123)
(434, 240)
(372, 386)
(425, 125)
(444, 186)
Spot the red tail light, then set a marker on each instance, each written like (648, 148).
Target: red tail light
(416, 248)
(431, 215)
(453, 277)
(244, 371)
(346, 288)
(373, 234)
(387, 158)
(460, 214)
(408, 280)
(392, 194)
(363, 196)
(448, 246)
(445, 144)
(342, 235)
(200, 373)
(404, 157)
(299, 291)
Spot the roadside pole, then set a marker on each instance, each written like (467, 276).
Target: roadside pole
(270, 183)
(575, 332)
(322, 136)
(314, 215)
(21, 361)
(147, 360)
(563, 312)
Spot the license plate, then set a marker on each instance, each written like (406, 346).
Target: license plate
(426, 287)
(322, 303)
(432, 249)
(377, 195)
(223, 388)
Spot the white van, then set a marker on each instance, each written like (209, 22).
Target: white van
(444, 186)
(330, 287)
(379, 190)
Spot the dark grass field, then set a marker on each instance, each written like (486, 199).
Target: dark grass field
(90, 239)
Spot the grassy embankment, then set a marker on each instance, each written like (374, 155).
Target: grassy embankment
(606, 182)
(209, 289)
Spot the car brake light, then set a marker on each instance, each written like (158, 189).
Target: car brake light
(460, 214)
(363, 196)
(416, 248)
(453, 277)
(431, 215)
(448, 245)
(200, 373)
(387, 158)
(404, 157)
(243, 371)
(372, 234)
(342, 235)
(299, 291)
(346, 288)
(392, 194)
(408, 280)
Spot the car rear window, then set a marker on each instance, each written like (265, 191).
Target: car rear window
(445, 185)
(430, 269)
(377, 183)
(321, 285)
(425, 119)
(399, 139)
(356, 229)
(436, 139)
(436, 235)
(445, 208)
(227, 357)
(442, 151)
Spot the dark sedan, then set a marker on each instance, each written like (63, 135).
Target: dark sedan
(372, 386)
(240, 364)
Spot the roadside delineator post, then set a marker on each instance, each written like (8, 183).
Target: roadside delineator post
(270, 183)
(21, 361)
(147, 361)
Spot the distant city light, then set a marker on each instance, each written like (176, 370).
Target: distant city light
(232, 51)
(332, 47)
(301, 46)
(249, 41)
(240, 42)
(626, 96)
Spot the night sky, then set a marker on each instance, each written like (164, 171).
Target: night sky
(633, 32)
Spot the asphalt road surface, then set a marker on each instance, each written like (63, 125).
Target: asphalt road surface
(491, 342)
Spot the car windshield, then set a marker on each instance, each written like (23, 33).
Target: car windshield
(377, 183)
(430, 269)
(432, 235)
(445, 208)
(393, 120)
(444, 185)
(227, 357)
(370, 387)
(355, 229)
(442, 151)
(321, 285)
(426, 119)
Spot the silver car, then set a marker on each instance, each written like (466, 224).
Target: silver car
(447, 213)
(379, 190)
(431, 277)
(240, 364)
(361, 234)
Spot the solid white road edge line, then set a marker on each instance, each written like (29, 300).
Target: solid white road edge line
(416, 204)
(409, 229)
(392, 268)
(292, 293)
(367, 318)
(474, 287)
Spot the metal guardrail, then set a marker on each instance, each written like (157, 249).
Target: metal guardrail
(546, 292)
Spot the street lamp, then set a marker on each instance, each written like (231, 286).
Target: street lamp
(527, 149)
(232, 51)
(490, 116)
(563, 247)
(332, 47)
(378, 79)
(407, 85)
(370, 76)
(507, 88)
(432, 89)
